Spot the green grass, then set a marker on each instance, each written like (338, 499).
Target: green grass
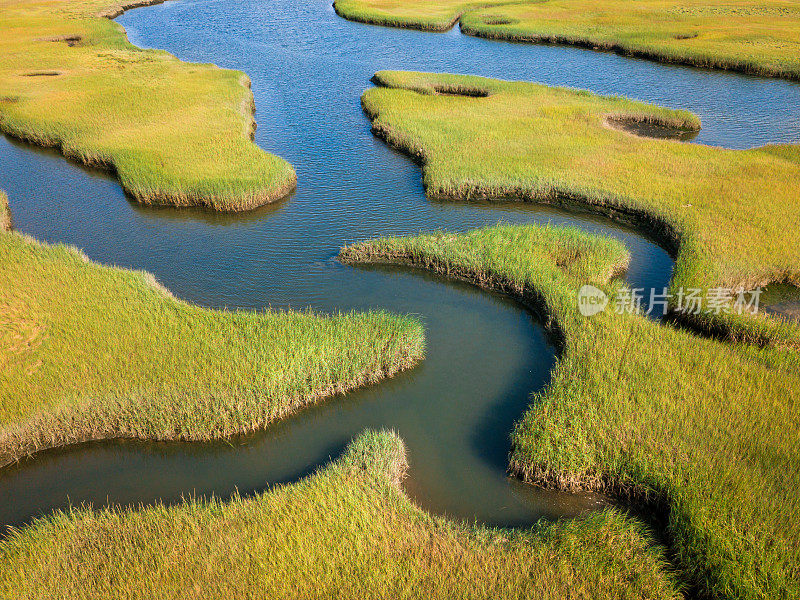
(730, 216)
(706, 431)
(348, 531)
(759, 37)
(92, 352)
(175, 133)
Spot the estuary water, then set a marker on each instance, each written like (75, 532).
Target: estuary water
(485, 354)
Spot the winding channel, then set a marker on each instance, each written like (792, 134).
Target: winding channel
(485, 353)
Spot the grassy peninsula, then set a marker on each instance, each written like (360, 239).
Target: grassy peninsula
(346, 532)
(729, 216)
(704, 431)
(175, 133)
(759, 37)
(92, 352)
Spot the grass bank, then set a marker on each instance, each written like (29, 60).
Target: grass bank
(729, 216)
(707, 432)
(92, 352)
(348, 531)
(175, 133)
(5, 214)
(759, 37)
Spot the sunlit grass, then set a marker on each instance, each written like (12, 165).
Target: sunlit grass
(175, 133)
(346, 532)
(760, 37)
(5, 214)
(706, 431)
(89, 352)
(730, 216)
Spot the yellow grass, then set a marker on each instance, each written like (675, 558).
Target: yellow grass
(760, 37)
(89, 352)
(346, 532)
(732, 217)
(175, 133)
(5, 214)
(704, 431)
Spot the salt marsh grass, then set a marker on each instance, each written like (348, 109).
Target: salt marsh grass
(348, 531)
(704, 431)
(92, 352)
(759, 37)
(5, 214)
(729, 216)
(175, 133)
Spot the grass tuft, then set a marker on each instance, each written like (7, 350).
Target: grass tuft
(5, 213)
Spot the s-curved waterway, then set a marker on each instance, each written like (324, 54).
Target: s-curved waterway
(485, 354)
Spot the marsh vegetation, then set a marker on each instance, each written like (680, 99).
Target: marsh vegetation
(702, 432)
(91, 352)
(348, 529)
(759, 37)
(714, 209)
(705, 432)
(175, 133)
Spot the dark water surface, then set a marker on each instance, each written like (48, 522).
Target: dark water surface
(485, 354)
